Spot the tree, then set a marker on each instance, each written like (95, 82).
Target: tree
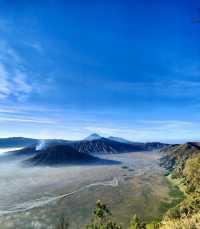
(101, 218)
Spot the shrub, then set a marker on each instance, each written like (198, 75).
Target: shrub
(136, 223)
(192, 173)
(101, 218)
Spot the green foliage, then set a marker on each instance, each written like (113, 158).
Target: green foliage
(174, 175)
(174, 213)
(177, 197)
(166, 173)
(176, 156)
(136, 223)
(191, 205)
(101, 218)
(192, 173)
(185, 160)
(153, 225)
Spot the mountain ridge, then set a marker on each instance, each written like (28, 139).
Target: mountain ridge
(17, 142)
(57, 155)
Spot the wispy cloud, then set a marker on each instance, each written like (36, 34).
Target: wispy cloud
(101, 130)
(41, 121)
(13, 83)
(9, 54)
(4, 84)
(150, 130)
(181, 82)
(71, 124)
(189, 71)
(161, 88)
(16, 81)
(26, 115)
(37, 46)
(167, 124)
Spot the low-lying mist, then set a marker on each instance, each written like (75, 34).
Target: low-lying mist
(40, 194)
(19, 184)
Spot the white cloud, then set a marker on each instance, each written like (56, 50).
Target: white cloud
(13, 83)
(65, 124)
(16, 80)
(191, 70)
(101, 130)
(182, 81)
(23, 87)
(150, 130)
(9, 54)
(162, 87)
(26, 115)
(4, 84)
(13, 75)
(36, 46)
(41, 121)
(165, 124)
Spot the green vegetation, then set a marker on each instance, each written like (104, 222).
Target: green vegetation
(185, 215)
(101, 218)
(177, 196)
(191, 180)
(136, 223)
(191, 173)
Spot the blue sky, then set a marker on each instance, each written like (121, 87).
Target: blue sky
(122, 68)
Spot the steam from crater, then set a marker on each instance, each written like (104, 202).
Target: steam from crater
(41, 145)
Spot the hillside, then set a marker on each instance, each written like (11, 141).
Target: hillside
(183, 163)
(175, 156)
(19, 154)
(105, 145)
(17, 142)
(61, 155)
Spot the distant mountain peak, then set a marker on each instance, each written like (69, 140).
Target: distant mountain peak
(93, 136)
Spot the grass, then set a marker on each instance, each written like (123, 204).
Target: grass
(177, 182)
(176, 194)
(192, 222)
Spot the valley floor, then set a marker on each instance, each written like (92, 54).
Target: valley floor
(38, 197)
